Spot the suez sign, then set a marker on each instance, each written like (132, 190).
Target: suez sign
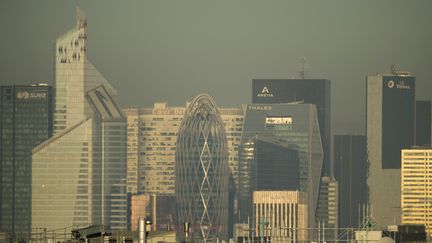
(24, 95)
(265, 92)
(398, 84)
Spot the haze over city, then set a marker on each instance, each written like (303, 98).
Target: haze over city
(172, 50)
(215, 121)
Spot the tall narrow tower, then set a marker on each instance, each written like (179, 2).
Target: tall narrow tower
(202, 171)
(390, 128)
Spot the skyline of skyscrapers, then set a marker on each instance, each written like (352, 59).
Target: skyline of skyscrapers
(26, 118)
(99, 152)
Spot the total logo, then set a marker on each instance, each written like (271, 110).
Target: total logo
(23, 95)
(265, 93)
(400, 85)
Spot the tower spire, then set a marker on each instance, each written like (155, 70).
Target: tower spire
(81, 18)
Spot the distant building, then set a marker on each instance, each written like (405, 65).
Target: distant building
(293, 126)
(79, 174)
(281, 216)
(327, 209)
(152, 135)
(416, 185)
(139, 204)
(26, 119)
(390, 128)
(161, 210)
(423, 123)
(202, 172)
(308, 91)
(133, 140)
(350, 170)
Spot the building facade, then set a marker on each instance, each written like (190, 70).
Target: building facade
(416, 185)
(295, 126)
(423, 123)
(277, 166)
(350, 170)
(390, 128)
(281, 216)
(79, 175)
(152, 135)
(327, 210)
(202, 172)
(26, 119)
(308, 91)
(139, 204)
(132, 149)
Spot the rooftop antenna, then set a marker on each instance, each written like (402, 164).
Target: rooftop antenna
(302, 71)
(393, 69)
(81, 18)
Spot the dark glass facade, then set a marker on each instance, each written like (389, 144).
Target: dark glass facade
(350, 170)
(276, 165)
(390, 117)
(202, 172)
(398, 118)
(26, 114)
(423, 122)
(309, 91)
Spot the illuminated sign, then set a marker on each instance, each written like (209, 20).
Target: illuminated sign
(24, 95)
(265, 93)
(399, 85)
(279, 120)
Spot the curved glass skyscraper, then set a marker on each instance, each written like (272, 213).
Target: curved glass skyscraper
(202, 172)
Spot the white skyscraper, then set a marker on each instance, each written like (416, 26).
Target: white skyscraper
(79, 175)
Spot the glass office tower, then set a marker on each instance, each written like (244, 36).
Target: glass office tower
(26, 113)
(295, 126)
(308, 91)
(202, 172)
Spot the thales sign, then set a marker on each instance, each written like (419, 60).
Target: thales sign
(265, 92)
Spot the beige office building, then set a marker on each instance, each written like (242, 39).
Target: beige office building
(152, 135)
(416, 199)
(327, 209)
(281, 215)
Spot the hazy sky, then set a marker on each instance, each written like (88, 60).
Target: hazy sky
(167, 50)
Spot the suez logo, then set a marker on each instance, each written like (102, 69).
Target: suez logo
(265, 92)
(399, 85)
(24, 95)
